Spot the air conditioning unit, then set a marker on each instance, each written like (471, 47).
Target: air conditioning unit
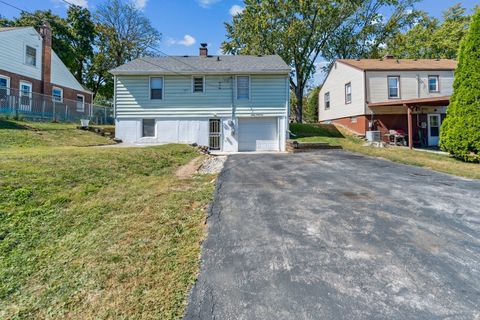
(373, 136)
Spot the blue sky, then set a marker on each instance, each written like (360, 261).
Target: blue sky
(184, 24)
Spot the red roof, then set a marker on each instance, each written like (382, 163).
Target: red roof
(401, 64)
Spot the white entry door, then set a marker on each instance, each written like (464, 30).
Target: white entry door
(434, 121)
(25, 96)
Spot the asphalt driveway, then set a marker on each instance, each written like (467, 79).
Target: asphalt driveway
(334, 235)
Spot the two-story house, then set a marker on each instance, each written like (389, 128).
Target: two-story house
(228, 103)
(32, 76)
(406, 95)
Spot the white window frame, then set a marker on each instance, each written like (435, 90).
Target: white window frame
(61, 94)
(348, 100)
(8, 83)
(154, 128)
(150, 88)
(325, 100)
(398, 87)
(193, 84)
(82, 109)
(437, 78)
(249, 86)
(29, 94)
(36, 56)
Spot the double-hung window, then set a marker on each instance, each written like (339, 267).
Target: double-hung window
(327, 100)
(348, 93)
(198, 84)
(433, 84)
(80, 103)
(57, 94)
(243, 87)
(30, 56)
(393, 87)
(156, 88)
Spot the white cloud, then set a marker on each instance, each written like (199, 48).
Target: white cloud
(187, 41)
(207, 3)
(81, 3)
(140, 4)
(235, 10)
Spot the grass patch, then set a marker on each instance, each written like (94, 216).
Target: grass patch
(22, 134)
(438, 162)
(97, 232)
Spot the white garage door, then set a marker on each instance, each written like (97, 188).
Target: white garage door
(257, 134)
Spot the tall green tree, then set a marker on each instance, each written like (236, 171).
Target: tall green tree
(82, 36)
(460, 131)
(124, 33)
(431, 38)
(300, 31)
(310, 113)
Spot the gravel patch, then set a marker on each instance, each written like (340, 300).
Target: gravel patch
(213, 164)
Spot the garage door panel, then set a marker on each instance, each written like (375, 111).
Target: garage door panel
(258, 134)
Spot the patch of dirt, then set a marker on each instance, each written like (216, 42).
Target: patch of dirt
(186, 171)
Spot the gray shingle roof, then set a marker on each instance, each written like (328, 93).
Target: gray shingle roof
(234, 64)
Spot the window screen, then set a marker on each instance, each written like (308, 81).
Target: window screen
(31, 56)
(243, 87)
(156, 88)
(148, 129)
(197, 84)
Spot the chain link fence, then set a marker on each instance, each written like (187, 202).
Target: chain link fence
(38, 107)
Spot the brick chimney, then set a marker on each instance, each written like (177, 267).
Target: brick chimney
(46, 33)
(203, 50)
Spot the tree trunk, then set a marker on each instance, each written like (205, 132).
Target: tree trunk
(299, 108)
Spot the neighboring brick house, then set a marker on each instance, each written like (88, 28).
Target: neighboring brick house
(409, 95)
(29, 67)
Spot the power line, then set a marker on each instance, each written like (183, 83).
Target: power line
(12, 6)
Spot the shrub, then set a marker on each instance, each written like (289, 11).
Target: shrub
(460, 132)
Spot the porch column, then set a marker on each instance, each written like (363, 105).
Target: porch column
(410, 127)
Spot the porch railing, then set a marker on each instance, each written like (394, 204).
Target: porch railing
(38, 107)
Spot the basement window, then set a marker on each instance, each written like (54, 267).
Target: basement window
(30, 56)
(148, 128)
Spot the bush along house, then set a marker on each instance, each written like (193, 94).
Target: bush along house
(389, 97)
(228, 103)
(34, 82)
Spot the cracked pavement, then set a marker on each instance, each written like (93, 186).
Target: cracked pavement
(336, 235)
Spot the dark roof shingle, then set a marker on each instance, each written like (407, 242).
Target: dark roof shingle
(197, 65)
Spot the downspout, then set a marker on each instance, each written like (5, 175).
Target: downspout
(234, 122)
(287, 104)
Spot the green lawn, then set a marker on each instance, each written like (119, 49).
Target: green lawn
(96, 232)
(334, 136)
(37, 134)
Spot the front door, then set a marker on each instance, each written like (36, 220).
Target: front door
(434, 121)
(25, 96)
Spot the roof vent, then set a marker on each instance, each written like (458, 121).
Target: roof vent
(389, 57)
(358, 59)
(218, 58)
(185, 56)
(259, 55)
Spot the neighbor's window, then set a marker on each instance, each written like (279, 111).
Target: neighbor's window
(327, 100)
(30, 56)
(156, 88)
(243, 87)
(80, 103)
(148, 128)
(57, 94)
(393, 87)
(198, 84)
(348, 93)
(433, 84)
(4, 87)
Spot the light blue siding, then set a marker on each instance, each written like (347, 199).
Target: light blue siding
(268, 96)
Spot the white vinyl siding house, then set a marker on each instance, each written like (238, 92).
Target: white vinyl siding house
(250, 106)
